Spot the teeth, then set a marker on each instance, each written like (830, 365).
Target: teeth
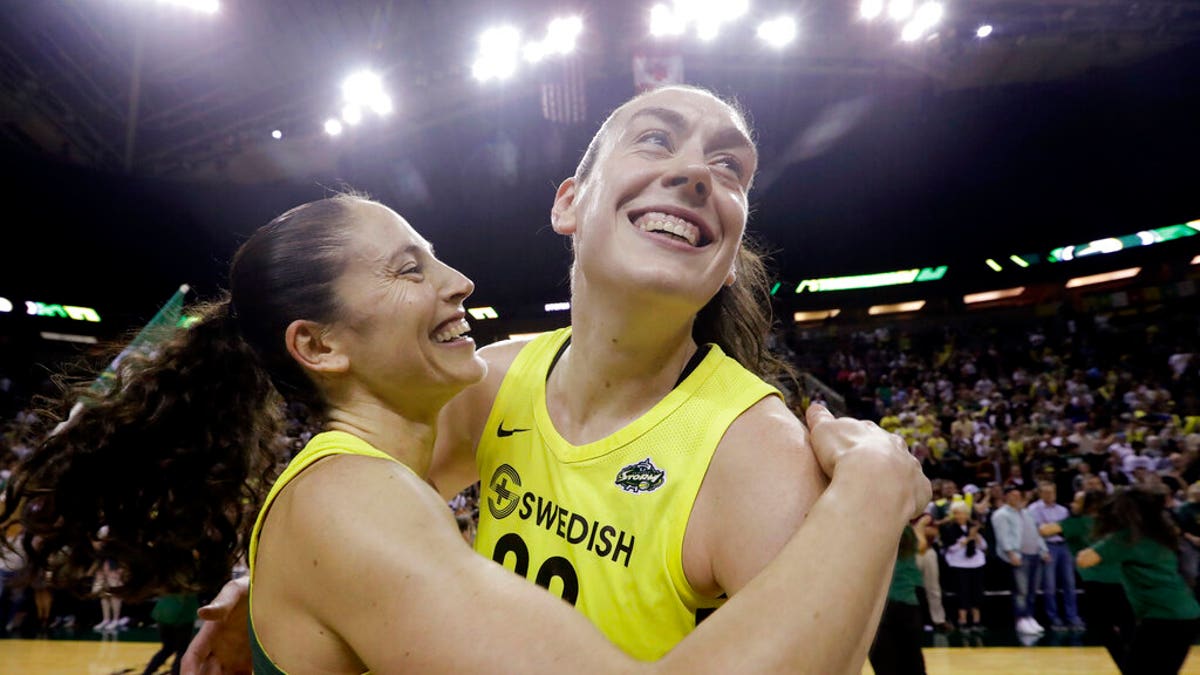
(662, 222)
(452, 331)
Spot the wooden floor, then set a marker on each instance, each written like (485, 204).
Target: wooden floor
(60, 657)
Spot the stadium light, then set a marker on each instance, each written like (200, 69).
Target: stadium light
(364, 90)
(1018, 260)
(499, 48)
(994, 265)
(562, 35)
(801, 317)
(6, 305)
(1195, 261)
(988, 296)
(927, 16)
(778, 32)
(983, 31)
(899, 10)
(870, 9)
(1104, 278)
(70, 337)
(277, 134)
(664, 22)
(205, 6)
(557, 306)
(913, 306)
(333, 127)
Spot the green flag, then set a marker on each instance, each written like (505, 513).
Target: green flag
(170, 315)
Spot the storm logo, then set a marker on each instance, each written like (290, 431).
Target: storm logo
(641, 477)
(504, 499)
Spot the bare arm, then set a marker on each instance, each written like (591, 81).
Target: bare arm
(461, 423)
(763, 472)
(399, 586)
(1087, 558)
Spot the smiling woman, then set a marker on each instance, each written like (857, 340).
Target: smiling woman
(356, 563)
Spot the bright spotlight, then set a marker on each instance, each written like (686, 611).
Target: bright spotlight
(926, 17)
(277, 134)
(333, 127)
(351, 114)
(562, 35)
(382, 105)
(983, 31)
(899, 10)
(206, 6)
(499, 49)
(361, 87)
(779, 32)
(870, 9)
(664, 22)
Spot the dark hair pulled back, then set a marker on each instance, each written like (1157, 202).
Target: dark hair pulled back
(174, 457)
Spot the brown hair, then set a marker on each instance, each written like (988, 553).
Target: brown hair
(739, 318)
(174, 456)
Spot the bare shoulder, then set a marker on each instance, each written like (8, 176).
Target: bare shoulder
(763, 471)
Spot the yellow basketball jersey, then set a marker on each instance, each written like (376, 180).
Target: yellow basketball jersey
(601, 525)
(326, 444)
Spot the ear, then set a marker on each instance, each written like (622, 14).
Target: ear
(562, 213)
(309, 344)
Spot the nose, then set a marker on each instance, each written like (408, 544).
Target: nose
(695, 181)
(458, 286)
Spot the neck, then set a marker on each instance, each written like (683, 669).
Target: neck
(624, 357)
(407, 438)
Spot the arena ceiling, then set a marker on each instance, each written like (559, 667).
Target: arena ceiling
(1073, 120)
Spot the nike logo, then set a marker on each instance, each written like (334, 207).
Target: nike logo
(504, 433)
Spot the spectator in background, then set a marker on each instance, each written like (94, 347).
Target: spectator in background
(1018, 543)
(1137, 536)
(927, 560)
(175, 615)
(1060, 570)
(1109, 616)
(897, 646)
(965, 557)
(1187, 517)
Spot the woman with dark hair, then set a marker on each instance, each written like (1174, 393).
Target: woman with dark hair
(1106, 609)
(355, 561)
(1136, 535)
(648, 429)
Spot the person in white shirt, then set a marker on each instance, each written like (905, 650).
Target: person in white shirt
(965, 557)
(1060, 569)
(1018, 543)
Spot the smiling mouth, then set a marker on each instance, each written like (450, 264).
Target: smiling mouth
(454, 331)
(670, 225)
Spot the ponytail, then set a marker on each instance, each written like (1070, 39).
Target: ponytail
(171, 459)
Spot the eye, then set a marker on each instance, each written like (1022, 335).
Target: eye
(410, 269)
(732, 164)
(656, 137)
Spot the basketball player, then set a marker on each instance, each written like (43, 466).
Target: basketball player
(356, 564)
(637, 464)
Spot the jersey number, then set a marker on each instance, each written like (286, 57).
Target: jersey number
(557, 566)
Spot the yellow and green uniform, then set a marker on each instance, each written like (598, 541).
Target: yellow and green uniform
(322, 445)
(906, 576)
(1150, 575)
(602, 525)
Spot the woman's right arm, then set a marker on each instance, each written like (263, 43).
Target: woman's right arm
(409, 589)
(402, 589)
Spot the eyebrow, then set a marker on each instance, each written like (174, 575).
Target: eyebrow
(414, 250)
(726, 138)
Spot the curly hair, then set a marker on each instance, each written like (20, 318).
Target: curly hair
(172, 458)
(1140, 511)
